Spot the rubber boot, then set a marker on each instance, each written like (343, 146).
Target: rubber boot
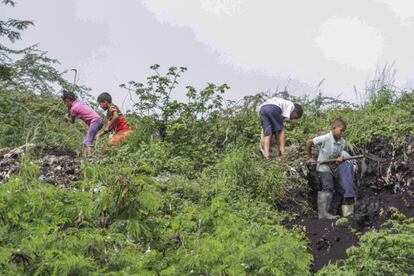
(324, 202)
(347, 210)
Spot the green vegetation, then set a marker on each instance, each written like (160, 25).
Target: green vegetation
(186, 194)
(387, 252)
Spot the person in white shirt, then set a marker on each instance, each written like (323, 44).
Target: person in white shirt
(273, 113)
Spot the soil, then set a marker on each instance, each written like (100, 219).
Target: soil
(58, 166)
(57, 151)
(382, 187)
(8, 167)
(328, 242)
(9, 161)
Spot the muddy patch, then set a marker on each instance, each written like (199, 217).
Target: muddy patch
(298, 200)
(328, 241)
(9, 161)
(57, 166)
(382, 187)
(57, 151)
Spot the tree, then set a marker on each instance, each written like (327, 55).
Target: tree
(27, 69)
(155, 97)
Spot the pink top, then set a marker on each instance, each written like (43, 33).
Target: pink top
(84, 112)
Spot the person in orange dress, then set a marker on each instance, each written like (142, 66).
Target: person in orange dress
(115, 120)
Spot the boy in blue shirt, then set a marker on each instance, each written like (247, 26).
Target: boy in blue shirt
(334, 179)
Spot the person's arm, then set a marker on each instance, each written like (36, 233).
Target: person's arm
(309, 145)
(70, 117)
(115, 118)
(282, 141)
(100, 133)
(339, 159)
(319, 140)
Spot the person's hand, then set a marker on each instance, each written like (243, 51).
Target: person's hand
(339, 160)
(106, 129)
(311, 161)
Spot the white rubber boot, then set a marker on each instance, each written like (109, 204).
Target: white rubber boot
(347, 210)
(324, 201)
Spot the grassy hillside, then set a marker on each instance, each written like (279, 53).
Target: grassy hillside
(197, 201)
(188, 193)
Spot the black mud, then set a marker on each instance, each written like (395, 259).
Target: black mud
(383, 188)
(57, 166)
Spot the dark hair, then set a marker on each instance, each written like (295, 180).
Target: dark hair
(299, 110)
(105, 96)
(67, 95)
(339, 122)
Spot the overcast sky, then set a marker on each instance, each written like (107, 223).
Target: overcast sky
(254, 46)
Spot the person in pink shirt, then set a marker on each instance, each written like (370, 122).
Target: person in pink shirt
(77, 108)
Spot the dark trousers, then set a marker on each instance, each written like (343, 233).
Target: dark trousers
(340, 183)
(272, 119)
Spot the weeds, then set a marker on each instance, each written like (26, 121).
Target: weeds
(187, 193)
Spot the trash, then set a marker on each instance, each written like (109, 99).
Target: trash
(14, 153)
(42, 177)
(164, 178)
(58, 166)
(98, 188)
(9, 163)
(7, 168)
(60, 169)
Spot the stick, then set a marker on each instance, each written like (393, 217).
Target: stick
(345, 158)
(74, 79)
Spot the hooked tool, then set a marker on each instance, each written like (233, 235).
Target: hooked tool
(365, 155)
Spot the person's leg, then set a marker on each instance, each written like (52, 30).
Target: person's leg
(267, 131)
(119, 136)
(348, 206)
(345, 174)
(338, 195)
(281, 139)
(276, 120)
(325, 195)
(261, 142)
(266, 146)
(93, 129)
(274, 148)
(88, 143)
(87, 151)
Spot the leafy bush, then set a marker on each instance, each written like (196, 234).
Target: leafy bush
(187, 193)
(216, 240)
(36, 119)
(387, 252)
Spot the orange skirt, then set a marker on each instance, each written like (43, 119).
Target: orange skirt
(119, 136)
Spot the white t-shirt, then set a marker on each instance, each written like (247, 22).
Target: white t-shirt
(286, 106)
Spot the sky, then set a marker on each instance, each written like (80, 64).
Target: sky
(254, 46)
